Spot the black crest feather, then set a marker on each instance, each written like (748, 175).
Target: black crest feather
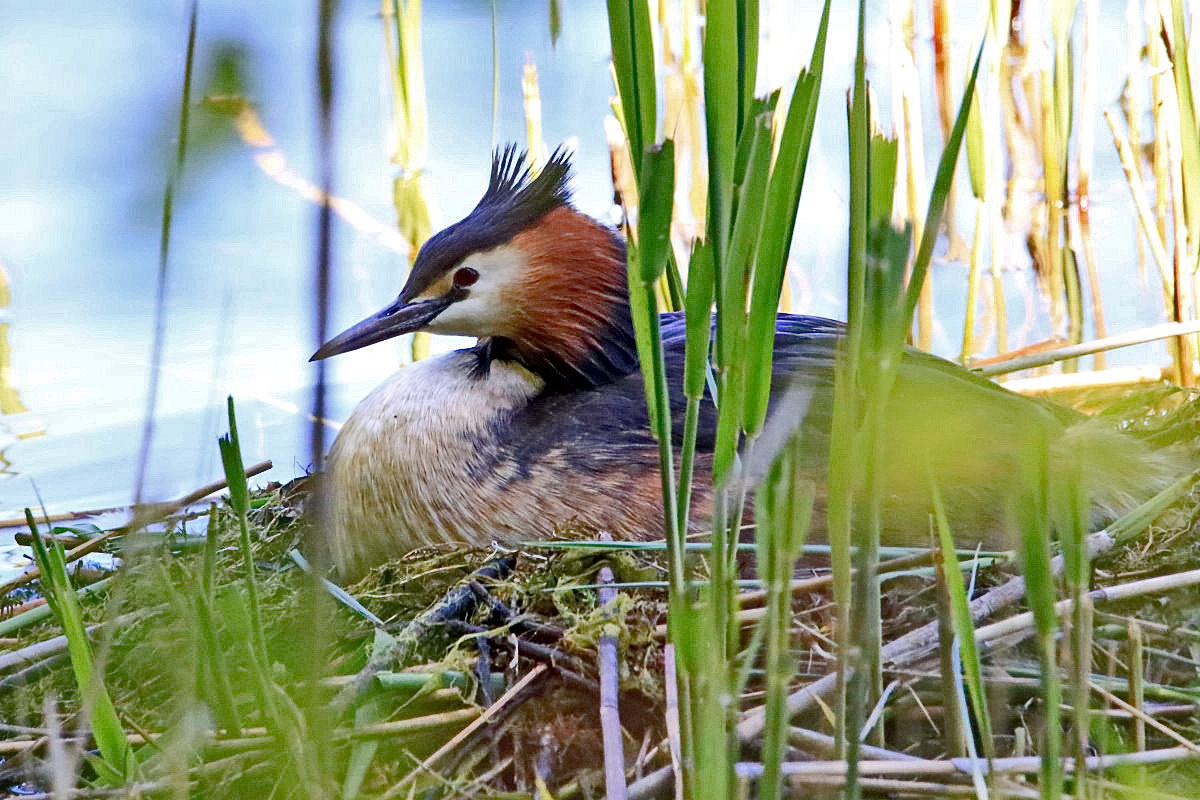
(514, 201)
(515, 193)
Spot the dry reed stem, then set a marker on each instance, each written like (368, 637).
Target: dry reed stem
(964, 766)
(610, 692)
(1023, 623)
(1143, 718)
(1139, 336)
(46, 648)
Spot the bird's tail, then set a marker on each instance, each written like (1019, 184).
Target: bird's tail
(1117, 470)
(1133, 450)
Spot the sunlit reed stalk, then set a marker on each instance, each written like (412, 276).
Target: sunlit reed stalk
(683, 117)
(1133, 103)
(911, 186)
(998, 72)
(1184, 189)
(910, 133)
(410, 149)
(1080, 232)
(531, 97)
(1066, 115)
(1170, 226)
(984, 155)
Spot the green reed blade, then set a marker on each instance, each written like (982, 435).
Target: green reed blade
(1189, 133)
(785, 503)
(633, 62)
(844, 466)
(117, 762)
(1031, 514)
(747, 38)
(779, 223)
(722, 54)
(964, 626)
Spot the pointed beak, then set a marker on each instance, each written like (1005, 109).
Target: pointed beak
(396, 319)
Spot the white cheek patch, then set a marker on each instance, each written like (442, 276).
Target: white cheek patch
(482, 311)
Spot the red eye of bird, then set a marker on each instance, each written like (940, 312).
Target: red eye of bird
(465, 277)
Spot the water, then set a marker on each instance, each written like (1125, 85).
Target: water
(88, 105)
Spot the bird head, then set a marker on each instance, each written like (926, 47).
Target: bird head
(536, 281)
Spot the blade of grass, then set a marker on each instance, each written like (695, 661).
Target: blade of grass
(940, 194)
(239, 501)
(963, 625)
(117, 762)
(633, 63)
(698, 318)
(174, 176)
(647, 261)
(779, 223)
(723, 106)
(843, 476)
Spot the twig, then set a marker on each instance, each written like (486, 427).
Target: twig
(21, 522)
(1144, 718)
(750, 603)
(567, 666)
(827, 745)
(483, 719)
(143, 515)
(1111, 378)
(892, 787)
(10, 747)
(186, 500)
(674, 732)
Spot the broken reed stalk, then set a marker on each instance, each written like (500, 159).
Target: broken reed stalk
(610, 692)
